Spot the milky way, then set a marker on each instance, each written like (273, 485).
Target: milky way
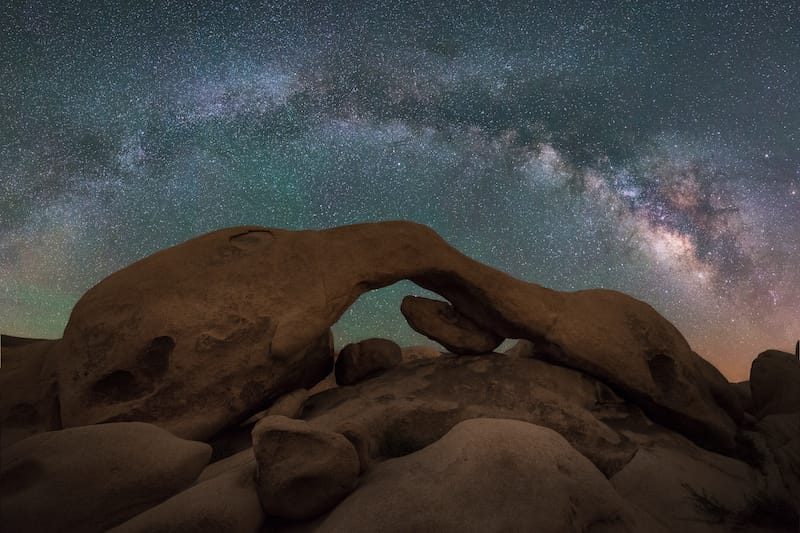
(653, 149)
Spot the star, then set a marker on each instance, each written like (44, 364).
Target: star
(576, 145)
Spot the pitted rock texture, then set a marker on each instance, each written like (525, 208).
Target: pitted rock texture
(209, 329)
(414, 404)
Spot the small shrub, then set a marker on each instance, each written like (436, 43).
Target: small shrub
(708, 505)
(761, 510)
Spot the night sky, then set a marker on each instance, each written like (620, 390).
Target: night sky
(649, 147)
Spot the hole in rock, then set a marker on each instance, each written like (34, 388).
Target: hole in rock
(118, 386)
(155, 359)
(662, 369)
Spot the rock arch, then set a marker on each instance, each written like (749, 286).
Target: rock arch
(263, 300)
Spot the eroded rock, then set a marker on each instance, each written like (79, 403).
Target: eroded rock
(438, 320)
(206, 331)
(414, 404)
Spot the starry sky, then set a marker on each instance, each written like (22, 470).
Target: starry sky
(649, 147)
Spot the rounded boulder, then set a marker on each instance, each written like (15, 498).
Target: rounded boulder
(302, 471)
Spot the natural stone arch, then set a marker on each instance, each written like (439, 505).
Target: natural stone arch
(249, 311)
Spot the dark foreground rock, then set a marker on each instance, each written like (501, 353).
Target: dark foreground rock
(89, 478)
(359, 360)
(226, 503)
(775, 383)
(302, 471)
(782, 435)
(29, 399)
(488, 475)
(414, 404)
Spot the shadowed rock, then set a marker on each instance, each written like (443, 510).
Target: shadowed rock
(227, 502)
(242, 305)
(488, 475)
(438, 320)
(782, 433)
(666, 481)
(89, 478)
(775, 383)
(414, 404)
(29, 397)
(302, 471)
(367, 358)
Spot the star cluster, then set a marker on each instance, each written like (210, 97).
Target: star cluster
(647, 147)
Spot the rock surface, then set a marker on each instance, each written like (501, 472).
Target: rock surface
(367, 358)
(775, 383)
(233, 462)
(29, 400)
(487, 475)
(742, 389)
(230, 311)
(782, 434)
(673, 486)
(225, 503)
(414, 404)
(302, 471)
(676, 388)
(90, 478)
(289, 405)
(438, 320)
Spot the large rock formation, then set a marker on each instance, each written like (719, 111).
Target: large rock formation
(86, 479)
(199, 337)
(206, 331)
